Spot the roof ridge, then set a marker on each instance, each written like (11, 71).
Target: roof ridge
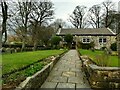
(98, 31)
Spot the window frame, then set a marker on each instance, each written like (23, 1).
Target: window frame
(85, 40)
(102, 40)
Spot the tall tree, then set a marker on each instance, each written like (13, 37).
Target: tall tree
(108, 7)
(95, 16)
(114, 20)
(20, 21)
(41, 13)
(24, 12)
(78, 17)
(4, 18)
(46, 35)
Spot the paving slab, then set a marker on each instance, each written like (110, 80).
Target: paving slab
(56, 74)
(82, 85)
(59, 79)
(75, 70)
(67, 73)
(74, 80)
(49, 85)
(65, 85)
(63, 69)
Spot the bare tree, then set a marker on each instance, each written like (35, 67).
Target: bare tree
(114, 20)
(4, 18)
(41, 13)
(95, 16)
(78, 17)
(57, 23)
(24, 12)
(60, 22)
(20, 21)
(108, 7)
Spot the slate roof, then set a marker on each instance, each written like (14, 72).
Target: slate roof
(88, 31)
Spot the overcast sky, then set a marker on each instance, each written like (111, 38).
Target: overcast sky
(63, 8)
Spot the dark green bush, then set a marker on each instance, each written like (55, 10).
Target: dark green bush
(55, 41)
(114, 46)
(86, 45)
(69, 39)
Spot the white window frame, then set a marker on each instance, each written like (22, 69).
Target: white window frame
(102, 39)
(85, 40)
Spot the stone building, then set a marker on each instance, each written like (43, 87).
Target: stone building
(102, 37)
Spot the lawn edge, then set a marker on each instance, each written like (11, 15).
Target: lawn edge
(40, 76)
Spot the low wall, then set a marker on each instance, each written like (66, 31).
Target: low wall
(101, 77)
(34, 82)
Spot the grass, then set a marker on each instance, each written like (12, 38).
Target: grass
(112, 61)
(14, 61)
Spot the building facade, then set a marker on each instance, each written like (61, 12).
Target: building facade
(101, 37)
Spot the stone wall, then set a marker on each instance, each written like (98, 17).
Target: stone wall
(95, 39)
(101, 77)
(34, 82)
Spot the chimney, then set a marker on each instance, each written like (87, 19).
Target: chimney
(119, 7)
(59, 29)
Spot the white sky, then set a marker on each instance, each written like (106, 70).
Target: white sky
(63, 8)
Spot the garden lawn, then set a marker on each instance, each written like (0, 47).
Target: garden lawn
(14, 61)
(112, 61)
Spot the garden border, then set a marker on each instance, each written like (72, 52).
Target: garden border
(36, 80)
(100, 77)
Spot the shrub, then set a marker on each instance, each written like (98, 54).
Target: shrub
(8, 50)
(55, 41)
(114, 46)
(18, 49)
(3, 49)
(103, 48)
(86, 45)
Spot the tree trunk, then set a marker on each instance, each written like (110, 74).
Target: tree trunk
(5, 16)
(5, 37)
(23, 45)
(0, 40)
(4, 31)
(35, 45)
(106, 18)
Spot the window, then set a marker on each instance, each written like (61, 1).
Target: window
(85, 40)
(102, 40)
(88, 40)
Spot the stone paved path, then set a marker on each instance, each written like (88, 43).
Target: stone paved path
(67, 73)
